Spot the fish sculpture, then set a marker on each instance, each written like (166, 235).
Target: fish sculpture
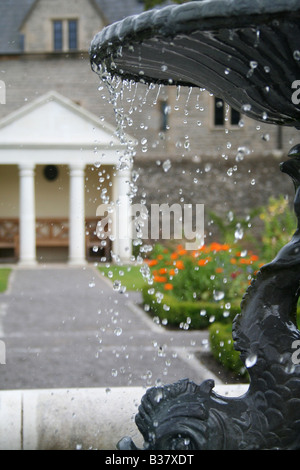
(187, 416)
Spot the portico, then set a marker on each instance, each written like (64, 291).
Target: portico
(54, 134)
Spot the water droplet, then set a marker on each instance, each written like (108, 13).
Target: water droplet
(158, 396)
(239, 232)
(246, 107)
(118, 331)
(218, 295)
(166, 165)
(296, 55)
(251, 360)
(117, 285)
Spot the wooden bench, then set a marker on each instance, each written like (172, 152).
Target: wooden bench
(53, 233)
(9, 239)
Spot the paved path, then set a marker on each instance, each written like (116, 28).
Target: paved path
(66, 327)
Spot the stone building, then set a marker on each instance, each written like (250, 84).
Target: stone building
(60, 156)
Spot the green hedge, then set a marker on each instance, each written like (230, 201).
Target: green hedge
(201, 315)
(194, 315)
(221, 343)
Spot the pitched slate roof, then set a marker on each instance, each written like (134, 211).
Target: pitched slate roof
(13, 12)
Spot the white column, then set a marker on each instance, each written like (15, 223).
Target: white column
(122, 244)
(27, 215)
(77, 216)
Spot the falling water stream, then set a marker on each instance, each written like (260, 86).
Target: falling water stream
(133, 104)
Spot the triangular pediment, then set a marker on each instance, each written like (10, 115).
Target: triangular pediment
(53, 120)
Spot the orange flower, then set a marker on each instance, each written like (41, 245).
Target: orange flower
(172, 272)
(160, 279)
(254, 258)
(225, 247)
(152, 262)
(233, 261)
(203, 262)
(245, 261)
(174, 256)
(215, 246)
(179, 265)
(182, 252)
(219, 270)
(168, 286)
(162, 271)
(160, 257)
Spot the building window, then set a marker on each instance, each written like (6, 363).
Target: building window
(221, 113)
(58, 35)
(235, 117)
(72, 35)
(65, 35)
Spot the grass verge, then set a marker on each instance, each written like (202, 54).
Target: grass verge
(129, 276)
(4, 278)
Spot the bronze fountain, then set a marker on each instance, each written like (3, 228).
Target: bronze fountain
(258, 43)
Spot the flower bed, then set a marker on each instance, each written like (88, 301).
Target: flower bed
(198, 287)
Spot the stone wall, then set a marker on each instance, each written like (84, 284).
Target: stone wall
(222, 186)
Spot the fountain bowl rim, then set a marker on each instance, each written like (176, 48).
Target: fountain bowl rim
(174, 19)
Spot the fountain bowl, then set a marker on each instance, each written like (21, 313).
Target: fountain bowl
(246, 53)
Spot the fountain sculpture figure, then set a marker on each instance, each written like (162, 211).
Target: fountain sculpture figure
(246, 52)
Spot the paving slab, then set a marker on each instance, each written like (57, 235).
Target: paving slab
(66, 327)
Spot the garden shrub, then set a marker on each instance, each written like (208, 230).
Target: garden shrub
(186, 313)
(198, 286)
(221, 343)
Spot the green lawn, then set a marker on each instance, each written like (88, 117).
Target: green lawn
(4, 277)
(130, 276)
